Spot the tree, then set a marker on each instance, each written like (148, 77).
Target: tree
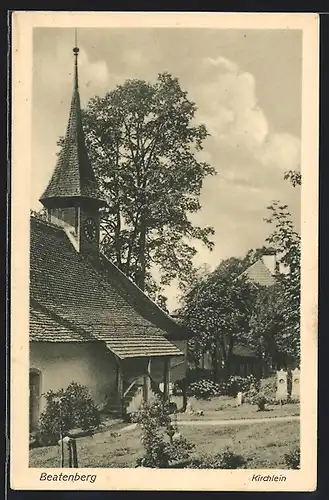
(218, 311)
(267, 324)
(287, 243)
(142, 140)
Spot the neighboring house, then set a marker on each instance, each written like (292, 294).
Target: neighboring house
(244, 360)
(88, 321)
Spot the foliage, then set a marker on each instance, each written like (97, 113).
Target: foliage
(227, 459)
(204, 389)
(65, 410)
(218, 310)
(267, 324)
(288, 245)
(294, 177)
(262, 393)
(292, 459)
(162, 443)
(142, 141)
(192, 375)
(235, 384)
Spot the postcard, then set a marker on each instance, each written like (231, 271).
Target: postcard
(164, 251)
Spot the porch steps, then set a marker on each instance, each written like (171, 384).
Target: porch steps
(132, 402)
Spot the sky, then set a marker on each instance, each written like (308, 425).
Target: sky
(247, 88)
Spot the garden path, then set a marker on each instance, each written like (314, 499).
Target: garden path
(241, 421)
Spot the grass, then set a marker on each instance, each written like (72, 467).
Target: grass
(224, 408)
(263, 445)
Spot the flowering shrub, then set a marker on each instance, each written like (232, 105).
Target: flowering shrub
(235, 384)
(192, 375)
(292, 459)
(67, 409)
(204, 389)
(162, 443)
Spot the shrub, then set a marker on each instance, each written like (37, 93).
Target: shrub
(235, 384)
(162, 444)
(204, 389)
(192, 375)
(264, 390)
(227, 459)
(292, 459)
(67, 409)
(201, 386)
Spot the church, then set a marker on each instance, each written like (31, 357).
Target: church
(89, 323)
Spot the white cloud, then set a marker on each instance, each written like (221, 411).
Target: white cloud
(281, 150)
(222, 62)
(229, 107)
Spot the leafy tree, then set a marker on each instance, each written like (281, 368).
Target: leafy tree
(218, 311)
(142, 140)
(287, 243)
(267, 324)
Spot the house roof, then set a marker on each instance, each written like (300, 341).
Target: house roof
(73, 177)
(102, 304)
(259, 274)
(244, 351)
(48, 327)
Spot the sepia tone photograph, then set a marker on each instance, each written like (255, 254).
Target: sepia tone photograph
(165, 250)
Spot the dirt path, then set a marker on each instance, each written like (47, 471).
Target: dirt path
(238, 421)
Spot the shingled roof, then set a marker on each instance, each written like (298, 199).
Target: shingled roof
(258, 273)
(101, 305)
(73, 176)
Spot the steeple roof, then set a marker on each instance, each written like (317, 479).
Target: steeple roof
(73, 178)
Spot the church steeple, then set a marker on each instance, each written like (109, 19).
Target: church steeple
(73, 179)
(72, 197)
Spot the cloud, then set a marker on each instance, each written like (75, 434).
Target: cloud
(222, 62)
(230, 109)
(94, 76)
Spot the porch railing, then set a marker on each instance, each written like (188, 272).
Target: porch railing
(130, 387)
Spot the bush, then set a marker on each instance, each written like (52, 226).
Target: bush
(192, 375)
(227, 459)
(204, 389)
(292, 459)
(200, 385)
(163, 445)
(235, 384)
(65, 410)
(262, 393)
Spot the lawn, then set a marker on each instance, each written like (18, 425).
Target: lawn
(262, 444)
(224, 408)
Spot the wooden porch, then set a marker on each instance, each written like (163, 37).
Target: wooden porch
(143, 383)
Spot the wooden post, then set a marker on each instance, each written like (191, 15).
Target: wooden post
(184, 394)
(74, 453)
(146, 382)
(166, 379)
(69, 447)
(120, 384)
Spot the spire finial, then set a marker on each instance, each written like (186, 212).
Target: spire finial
(76, 52)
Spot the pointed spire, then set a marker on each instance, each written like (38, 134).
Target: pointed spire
(76, 54)
(73, 178)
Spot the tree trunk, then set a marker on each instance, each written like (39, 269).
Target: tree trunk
(141, 253)
(215, 363)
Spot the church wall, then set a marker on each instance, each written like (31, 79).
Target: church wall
(61, 363)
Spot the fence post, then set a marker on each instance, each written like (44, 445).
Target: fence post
(74, 453)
